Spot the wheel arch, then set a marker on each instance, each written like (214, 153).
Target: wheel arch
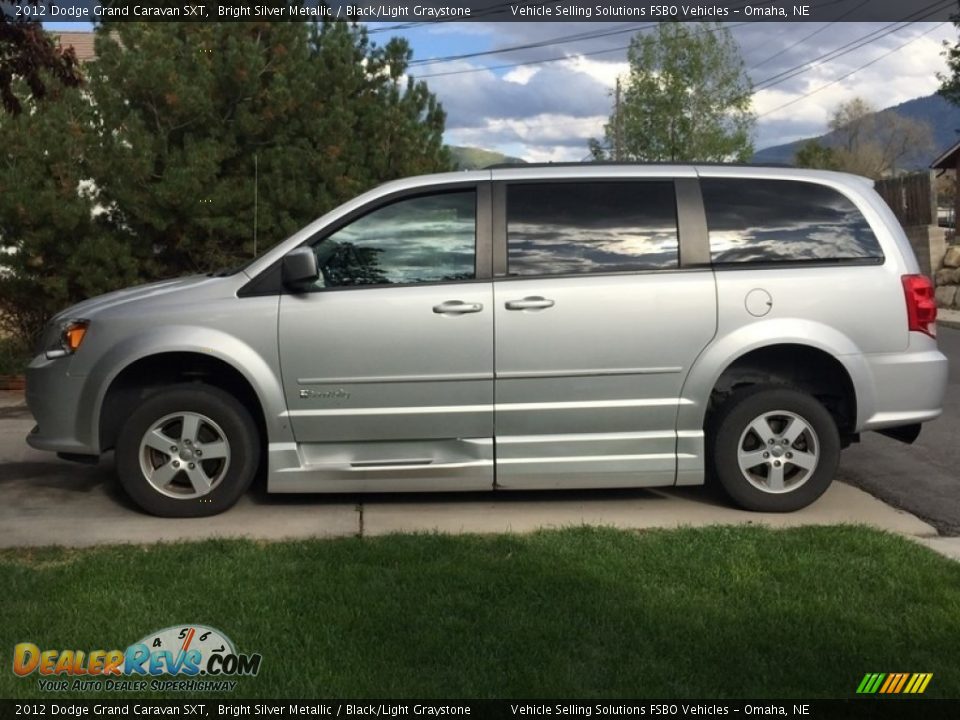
(803, 367)
(151, 373)
(137, 367)
(789, 350)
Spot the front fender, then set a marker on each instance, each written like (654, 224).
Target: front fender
(261, 370)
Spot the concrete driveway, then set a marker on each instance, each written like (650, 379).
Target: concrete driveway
(923, 478)
(45, 501)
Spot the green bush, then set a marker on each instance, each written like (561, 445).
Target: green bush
(14, 356)
(148, 171)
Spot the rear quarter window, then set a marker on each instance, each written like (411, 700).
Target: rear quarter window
(784, 221)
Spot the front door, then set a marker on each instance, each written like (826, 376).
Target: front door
(387, 360)
(596, 325)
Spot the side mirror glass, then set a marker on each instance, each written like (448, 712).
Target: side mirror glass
(299, 267)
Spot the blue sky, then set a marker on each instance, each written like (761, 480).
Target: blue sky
(548, 111)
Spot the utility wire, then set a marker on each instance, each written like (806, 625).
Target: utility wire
(792, 45)
(633, 27)
(852, 45)
(830, 55)
(775, 79)
(558, 58)
(589, 35)
(852, 72)
(492, 10)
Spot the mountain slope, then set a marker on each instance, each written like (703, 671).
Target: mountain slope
(471, 158)
(943, 116)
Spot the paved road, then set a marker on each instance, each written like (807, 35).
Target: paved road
(46, 501)
(923, 478)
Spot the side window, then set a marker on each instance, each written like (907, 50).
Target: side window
(429, 238)
(591, 227)
(759, 221)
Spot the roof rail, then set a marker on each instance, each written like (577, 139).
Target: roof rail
(628, 163)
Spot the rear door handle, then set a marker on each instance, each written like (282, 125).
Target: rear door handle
(457, 307)
(534, 302)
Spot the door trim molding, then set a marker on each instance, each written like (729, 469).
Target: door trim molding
(600, 372)
(379, 379)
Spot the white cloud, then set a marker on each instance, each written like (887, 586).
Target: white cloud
(604, 72)
(521, 75)
(549, 111)
(900, 76)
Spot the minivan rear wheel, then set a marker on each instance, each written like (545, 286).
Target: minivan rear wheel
(774, 449)
(190, 450)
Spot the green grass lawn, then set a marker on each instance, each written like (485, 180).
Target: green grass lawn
(716, 612)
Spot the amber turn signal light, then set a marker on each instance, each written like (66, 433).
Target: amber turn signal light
(73, 336)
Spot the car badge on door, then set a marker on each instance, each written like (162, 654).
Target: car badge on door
(338, 394)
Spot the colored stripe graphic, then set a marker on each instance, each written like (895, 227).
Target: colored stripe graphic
(886, 686)
(903, 679)
(894, 683)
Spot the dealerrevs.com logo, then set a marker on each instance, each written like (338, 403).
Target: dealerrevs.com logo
(201, 657)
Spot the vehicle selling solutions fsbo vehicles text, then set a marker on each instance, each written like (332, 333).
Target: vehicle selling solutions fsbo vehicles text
(621, 11)
(652, 11)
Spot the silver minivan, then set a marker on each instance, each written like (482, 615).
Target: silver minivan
(528, 327)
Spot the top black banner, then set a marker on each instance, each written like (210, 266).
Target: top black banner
(414, 11)
(228, 708)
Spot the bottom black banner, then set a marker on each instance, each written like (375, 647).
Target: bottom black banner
(874, 709)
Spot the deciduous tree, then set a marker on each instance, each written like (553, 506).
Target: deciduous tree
(814, 154)
(685, 98)
(30, 55)
(866, 142)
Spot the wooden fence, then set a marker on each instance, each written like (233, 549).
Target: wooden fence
(911, 197)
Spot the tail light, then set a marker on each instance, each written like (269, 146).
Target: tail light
(921, 304)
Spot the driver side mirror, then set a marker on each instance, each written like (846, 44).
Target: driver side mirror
(299, 266)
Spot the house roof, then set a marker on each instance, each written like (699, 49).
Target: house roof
(948, 159)
(81, 42)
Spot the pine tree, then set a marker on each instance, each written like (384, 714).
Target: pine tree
(186, 110)
(55, 248)
(148, 171)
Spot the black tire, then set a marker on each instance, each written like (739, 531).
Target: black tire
(219, 413)
(730, 427)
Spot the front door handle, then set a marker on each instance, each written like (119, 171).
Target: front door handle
(457, 307)
(534, 302)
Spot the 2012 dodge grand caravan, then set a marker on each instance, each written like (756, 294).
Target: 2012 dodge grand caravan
(585, 326)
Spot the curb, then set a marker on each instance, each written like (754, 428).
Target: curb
(12, 383)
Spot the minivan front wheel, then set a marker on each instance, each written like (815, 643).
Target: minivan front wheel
(188, 451)
(774, 449)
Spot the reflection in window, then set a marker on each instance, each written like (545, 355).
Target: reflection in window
(423, 239)
(783, 220)
(591, 227)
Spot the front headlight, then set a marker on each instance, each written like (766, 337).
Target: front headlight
(67, 338)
